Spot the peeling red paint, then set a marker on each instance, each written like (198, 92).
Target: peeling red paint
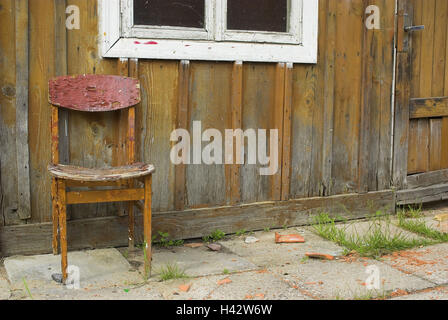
(94, 93)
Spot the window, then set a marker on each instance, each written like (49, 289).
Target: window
(227, 30)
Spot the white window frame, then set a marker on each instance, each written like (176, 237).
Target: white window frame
(120, 39)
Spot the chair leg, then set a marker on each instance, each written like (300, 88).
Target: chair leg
(62, 204)
(147, 226)
(55, 215)
(131, 221)
(131, 229)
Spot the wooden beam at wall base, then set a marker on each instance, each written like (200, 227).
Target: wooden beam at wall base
(113, 231)
(422, 195)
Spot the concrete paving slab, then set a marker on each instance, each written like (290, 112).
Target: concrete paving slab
(439, 293)
(113, 293)
(99, 268)
(195, 262)
(266, 252)
(347, 279)
(430, 263)
(255, 286)
(5, 291)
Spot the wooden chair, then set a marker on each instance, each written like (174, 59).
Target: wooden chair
(97, 93)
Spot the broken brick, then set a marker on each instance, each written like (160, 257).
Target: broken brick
(291, 238)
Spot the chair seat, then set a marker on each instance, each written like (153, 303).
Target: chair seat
(75, 173)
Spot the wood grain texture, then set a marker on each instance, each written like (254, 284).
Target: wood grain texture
(233, 171)
(8, 156)
(327, 101)
(210, 103)
(22, 92)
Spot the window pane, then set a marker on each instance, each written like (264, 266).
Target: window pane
(257, 15)
(173, 13)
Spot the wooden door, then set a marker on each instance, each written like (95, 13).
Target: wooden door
(428, 107)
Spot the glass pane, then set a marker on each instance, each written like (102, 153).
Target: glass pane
(173, 13)
(257, 15)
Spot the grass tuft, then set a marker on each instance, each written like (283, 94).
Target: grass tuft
(419, 227)
(378, 241)
(171, 272)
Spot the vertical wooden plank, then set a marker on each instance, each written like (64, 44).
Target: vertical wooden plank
(444, 157)
(435, 145)
(182, 123)
(440, 48)
(417, 49)
(329, 96)
(347, 87)
(60, 67)
(210, 104)
(8, 154)
(436, 157)
(279, 105)
(156, 118)
(42, 69)
(402, 96)
(287, 131)
(367, 103)
(233, 177)
(413, 148)
(120, 156)
(444, 144)
(303, 131)
(22, 73)
(259, 112)
(384, 78)
(317, 104)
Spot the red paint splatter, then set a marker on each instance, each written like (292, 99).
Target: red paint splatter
(137, 42)
(151, 42)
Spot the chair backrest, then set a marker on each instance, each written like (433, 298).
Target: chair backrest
(94, 93)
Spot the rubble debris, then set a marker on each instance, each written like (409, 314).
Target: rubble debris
(185, 287)
(250, 240)
(316, 255)
(224, 281)
(193, 245)
(291, 238)
(214, 246)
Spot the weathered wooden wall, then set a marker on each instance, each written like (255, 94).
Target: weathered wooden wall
(428, 137)
(334, 117)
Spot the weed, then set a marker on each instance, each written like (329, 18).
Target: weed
(267, 229)
(241, 232)
(172, 271)
(226, 271)
(27, 289)
(165, 241)
(214, 236)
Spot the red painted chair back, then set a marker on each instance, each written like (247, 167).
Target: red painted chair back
(94, 93)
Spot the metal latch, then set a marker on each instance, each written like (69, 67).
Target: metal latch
(414, 28)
